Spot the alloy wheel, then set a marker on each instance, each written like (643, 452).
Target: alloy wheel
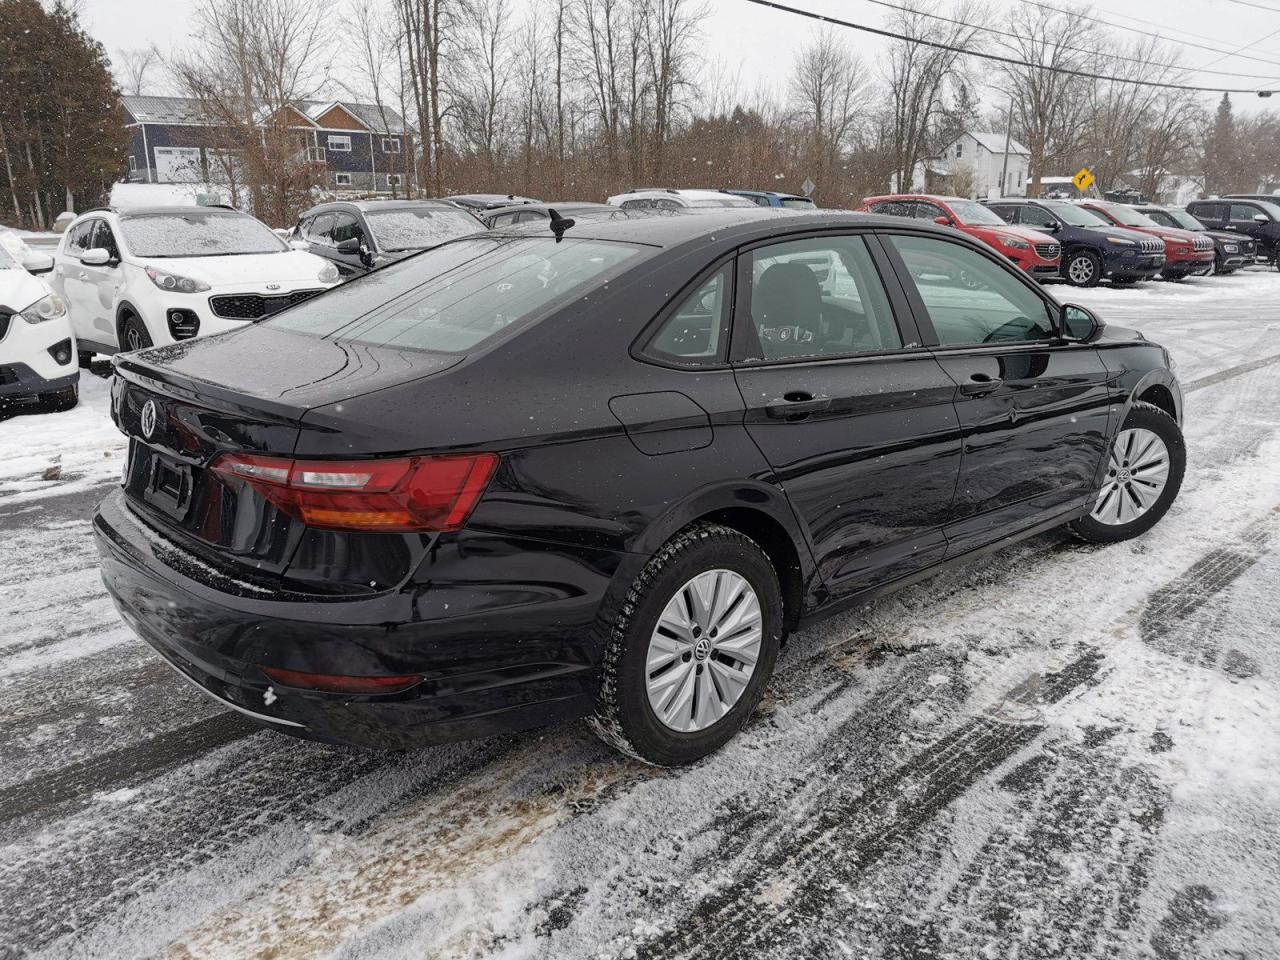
(703, 650)
(1137, 473)
(133, 338)
(1081, 270)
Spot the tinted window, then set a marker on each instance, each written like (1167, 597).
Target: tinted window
(457, 296)
(1008, 214)
(1243, 212)
(819, 297)
(695, 332)
(198, 233)
(104, 238)
(1209, 211)
(345, 227)
(971, 299)
(1038, 217)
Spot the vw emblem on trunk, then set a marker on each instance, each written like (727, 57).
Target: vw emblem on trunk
(273, 286)
(149, 419)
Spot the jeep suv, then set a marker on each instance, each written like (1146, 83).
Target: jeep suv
(1092, 249)
(1231, 250)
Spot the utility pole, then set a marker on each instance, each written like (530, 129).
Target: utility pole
(1008, 136)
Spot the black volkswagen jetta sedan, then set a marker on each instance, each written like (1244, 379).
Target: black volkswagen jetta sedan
(526, 477)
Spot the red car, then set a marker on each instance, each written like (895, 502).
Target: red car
(1038, 255)
(1186, 253)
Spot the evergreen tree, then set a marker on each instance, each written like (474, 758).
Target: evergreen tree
(1221, 155)
(61, 126)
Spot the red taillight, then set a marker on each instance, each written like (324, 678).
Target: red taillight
(408, 495)
(336, 683)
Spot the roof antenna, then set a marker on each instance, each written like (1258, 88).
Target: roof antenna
(559, 224)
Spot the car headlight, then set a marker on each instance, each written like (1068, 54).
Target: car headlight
(46, 308)
(1121, 242)
(1230, 248)
(328, 273)
(173, 283)
(1014, 244)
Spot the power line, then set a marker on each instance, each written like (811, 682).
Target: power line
(1148, 33)
(1103, 53)
(1259, 6)
(835, 21)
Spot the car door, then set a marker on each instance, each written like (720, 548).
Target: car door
(1242, 218)
(853, 414)
(77, 285)
(346, 227)
(1034, 409)
(103, 285)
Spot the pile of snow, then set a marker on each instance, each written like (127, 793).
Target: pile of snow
(128, 195)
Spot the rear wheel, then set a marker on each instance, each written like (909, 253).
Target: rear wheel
(692, 649)
(1082, 268)
(133, 333)
(1144, 474)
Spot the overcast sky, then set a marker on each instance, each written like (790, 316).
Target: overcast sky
(756, 45)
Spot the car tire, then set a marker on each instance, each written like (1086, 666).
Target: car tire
(1082, 268)
(133, 334)
(716, 573)
(1130, 504)
(61, 399)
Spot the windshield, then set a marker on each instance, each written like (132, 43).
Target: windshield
(1270, 209)
(1183, 219)
(798, 203)
(197, 234)
(457, 296)
(1077, 216)
(411, 228)
(975, 214)
(1131, 218)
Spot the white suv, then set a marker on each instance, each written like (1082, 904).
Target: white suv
(156, 275)
(664, 199)
(37, 347)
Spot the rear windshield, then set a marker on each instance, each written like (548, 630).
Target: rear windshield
(197, 234)
(798, 203)
(408, 228)
(457, 296)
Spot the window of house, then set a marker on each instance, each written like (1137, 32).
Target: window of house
(133, 164)
(342, 144)
(390, 144)
(342, 179)
(959, 149)
(694, 334)
(394, 179)
(819, 297)
(315, 154)
(970, 299)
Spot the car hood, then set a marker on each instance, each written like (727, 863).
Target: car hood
(19, 289)
(1123, 233)
(1181, 235)
(291, 267)
(1022, 233)
(1226, 235)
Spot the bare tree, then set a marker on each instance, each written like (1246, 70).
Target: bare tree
(426, 29)
(829, 93)
(134, 69)
(918, 72)
(481, 88)
(671, 33)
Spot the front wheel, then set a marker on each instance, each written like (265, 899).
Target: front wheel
(692, 649)
(1144, 475)
(1083, 268)
(134, 334)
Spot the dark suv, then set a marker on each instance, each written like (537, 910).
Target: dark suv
(603, 471)
(1092, 249)
(360, 235)
(1251, 217)
(1231, 250)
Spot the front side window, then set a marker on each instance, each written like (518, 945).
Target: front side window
(345, 227)
(458, 296)
(104, 239)
(970, 299)
(1038, 217)
(929, 211)
(694, 334)
(78, 239)
(1243, 213)
(819, 297)
(413, 229)
(198, 233)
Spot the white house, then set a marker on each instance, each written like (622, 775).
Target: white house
(972, 165)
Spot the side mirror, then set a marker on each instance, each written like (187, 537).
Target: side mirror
(97, 257)
(1261, 218)
(299, 245)
(942, 221)
(37, 263)
(349, 246)
(1078, 325)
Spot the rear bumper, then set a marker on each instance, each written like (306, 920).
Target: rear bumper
(489, 671)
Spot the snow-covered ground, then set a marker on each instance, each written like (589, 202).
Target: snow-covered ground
(1060, 751)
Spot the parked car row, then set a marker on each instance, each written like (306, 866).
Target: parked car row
(1086, 241)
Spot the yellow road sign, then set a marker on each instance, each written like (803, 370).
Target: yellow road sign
(1083, 180)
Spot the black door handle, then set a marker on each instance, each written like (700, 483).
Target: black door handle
(796, 403)
(980, 384)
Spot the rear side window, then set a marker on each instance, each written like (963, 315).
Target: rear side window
(456, 297)
(1208, 211)
(694, 334)
(969, 298)
(818, 297)
(892, 208)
